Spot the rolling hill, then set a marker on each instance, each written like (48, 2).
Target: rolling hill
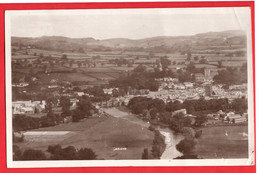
(226, 40)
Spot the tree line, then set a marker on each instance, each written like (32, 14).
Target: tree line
(141, 78)
(56, 153)
(158, 147)
(232, 76)
(157, 109)
(84, 109)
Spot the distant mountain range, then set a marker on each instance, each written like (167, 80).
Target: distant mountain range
(209, 40)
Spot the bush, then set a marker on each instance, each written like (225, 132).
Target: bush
(54, 149)
(185, 146)
(77, 115)
(145, 154)
(70, 153)
(86, 154)
(17, 153)
(198, 134)
(151, 127)
(31, 154)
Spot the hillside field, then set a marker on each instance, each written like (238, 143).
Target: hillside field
(102, 134)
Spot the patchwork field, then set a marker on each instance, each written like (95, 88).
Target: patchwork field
(223, 142)
(109, 137)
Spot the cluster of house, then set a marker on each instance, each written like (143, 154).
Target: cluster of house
(178, 86)
(229, 117)
(180, 95)
(28, 107)
(170, 89)
(114, 102)
(214, 118)
(167, 79)
(110, 90)
(167, 95)
(75, 94)
(234, 91)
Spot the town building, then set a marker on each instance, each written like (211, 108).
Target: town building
(28, 107)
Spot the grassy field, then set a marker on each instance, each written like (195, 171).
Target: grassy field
(98, 70)
(25, 70)
(102, 134)
(223, 142)
(45, 78)
(101, 76)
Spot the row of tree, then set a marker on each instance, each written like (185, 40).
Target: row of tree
(158, 147)
(57, 153)
(157, 109)
(23, 122)
(232, 76)
(84, 109)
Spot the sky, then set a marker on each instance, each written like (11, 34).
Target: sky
(126, 23)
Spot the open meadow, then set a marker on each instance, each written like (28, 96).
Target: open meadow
(223, 142)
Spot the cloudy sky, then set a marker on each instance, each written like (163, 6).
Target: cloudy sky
(126, 23)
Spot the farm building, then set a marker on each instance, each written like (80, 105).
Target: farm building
(181, 111)
(234, 118)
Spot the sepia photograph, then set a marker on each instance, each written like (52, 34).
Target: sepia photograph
(129, 87)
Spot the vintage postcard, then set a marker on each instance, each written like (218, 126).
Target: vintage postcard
(129, 87)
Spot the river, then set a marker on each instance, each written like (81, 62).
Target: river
(171, 139)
